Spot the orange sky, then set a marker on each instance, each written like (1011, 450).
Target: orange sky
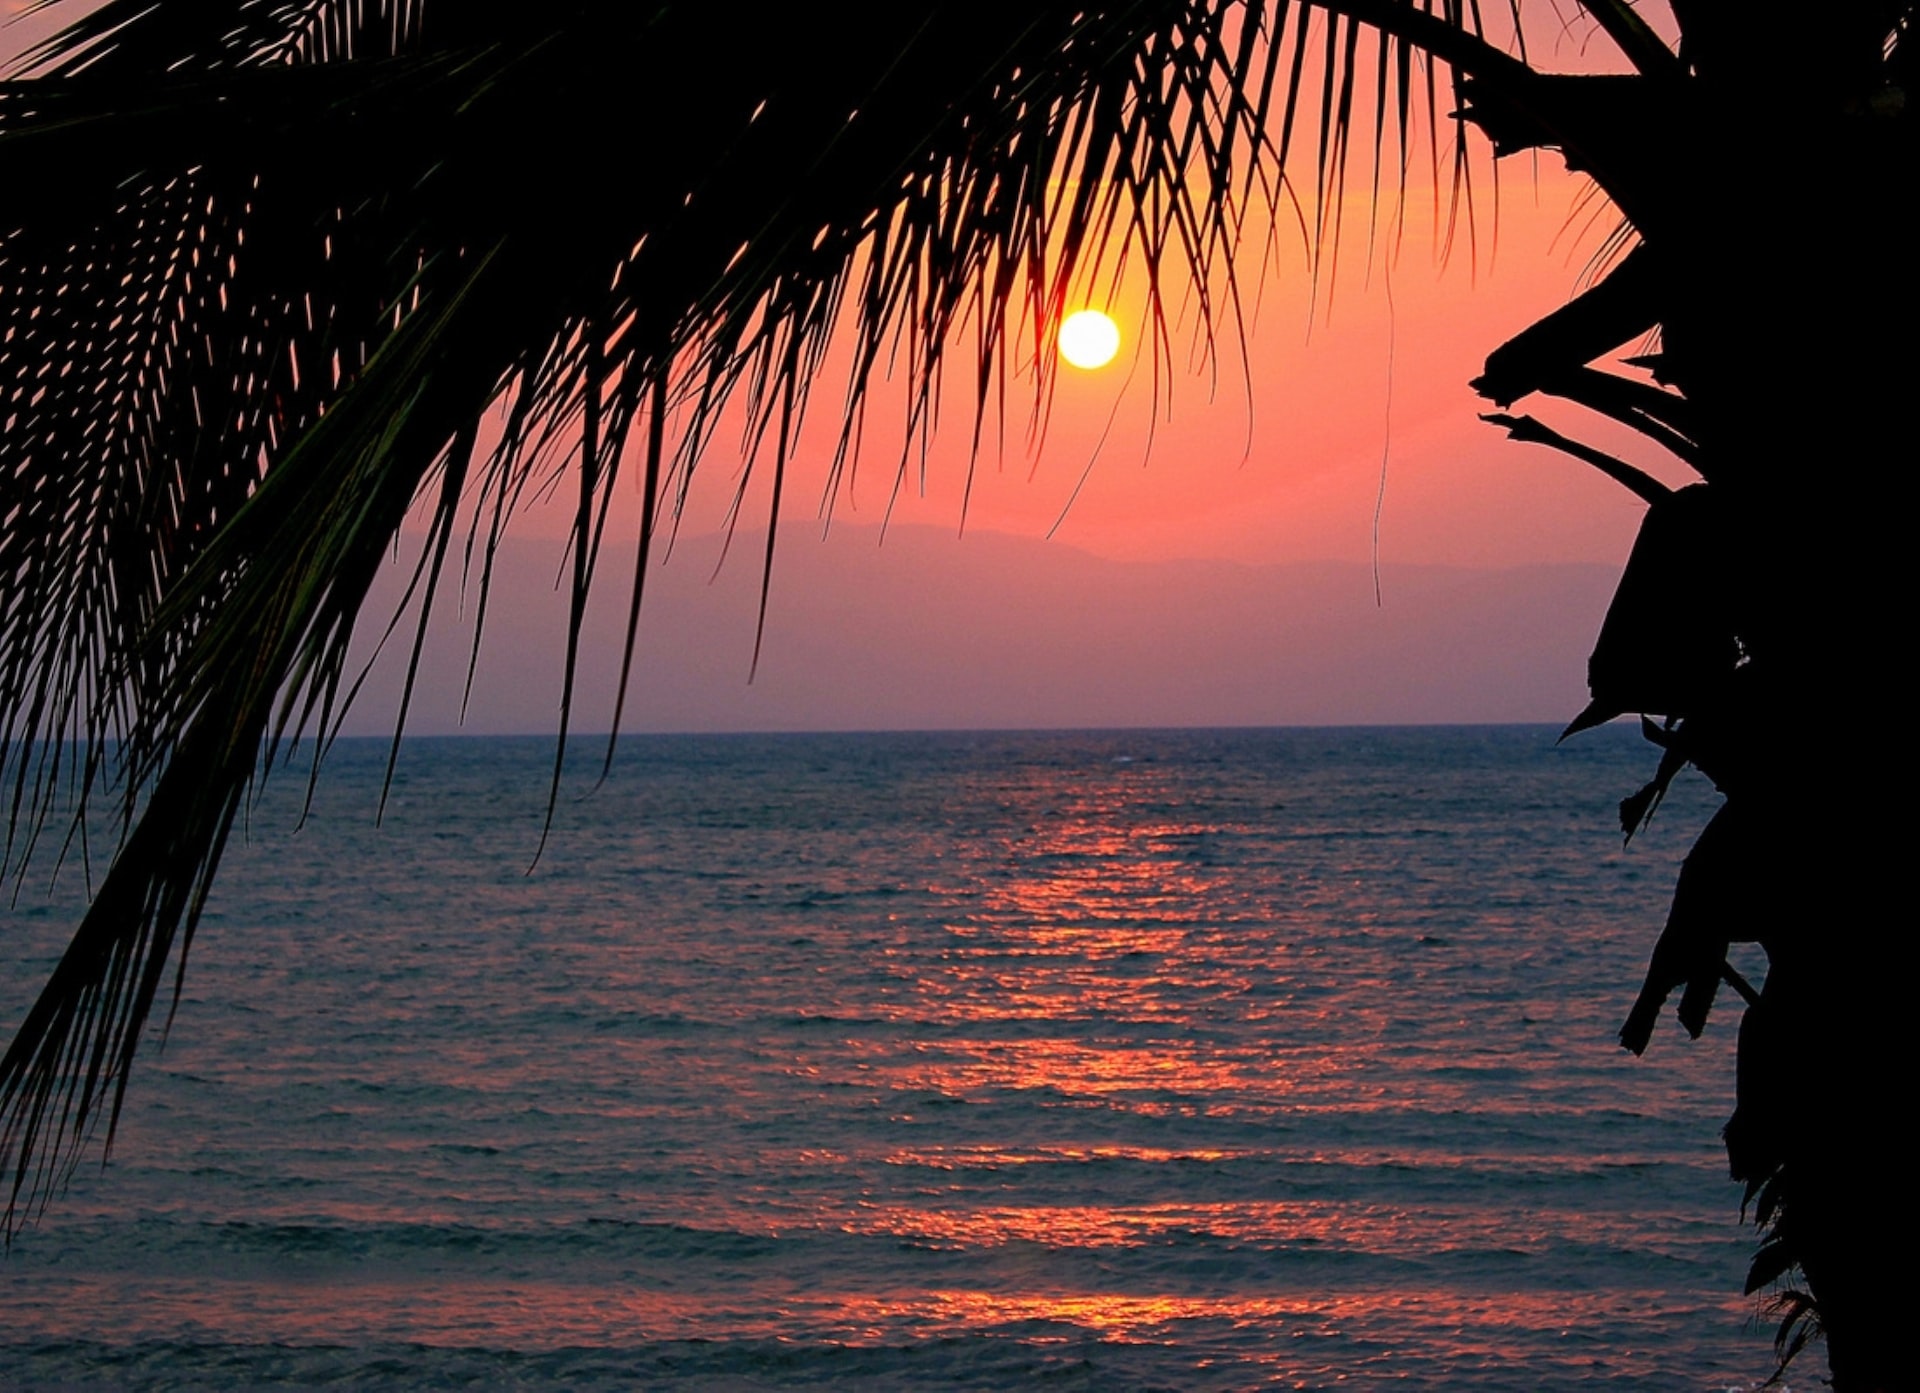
(1320, 414)
(1319, 419)
(1293, 469)
(1291, 473)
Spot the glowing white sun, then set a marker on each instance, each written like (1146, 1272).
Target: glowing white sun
(1089, 339)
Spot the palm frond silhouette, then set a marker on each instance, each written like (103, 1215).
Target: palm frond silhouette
(265, 265)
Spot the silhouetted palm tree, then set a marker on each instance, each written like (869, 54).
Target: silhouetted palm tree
(265, 263)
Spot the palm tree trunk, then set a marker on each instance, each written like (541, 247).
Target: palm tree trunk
(1799, 350)
(1768, 179)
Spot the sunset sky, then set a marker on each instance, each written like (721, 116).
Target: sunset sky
(920, 625)
(1366, 374)
(1292, 473)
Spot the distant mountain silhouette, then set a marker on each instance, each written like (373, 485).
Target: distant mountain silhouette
(932, 631)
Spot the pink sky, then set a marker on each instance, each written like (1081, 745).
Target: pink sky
(1322, 419)
(1292, 474)
(1456, 492)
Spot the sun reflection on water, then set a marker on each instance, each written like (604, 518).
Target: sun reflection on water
(1123, 1056)
(1096, 915)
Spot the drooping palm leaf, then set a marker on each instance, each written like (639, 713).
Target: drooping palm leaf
(265, 265)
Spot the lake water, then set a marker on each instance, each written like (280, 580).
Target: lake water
(1110, 1060)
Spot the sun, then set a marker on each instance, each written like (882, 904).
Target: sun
(1089, 339)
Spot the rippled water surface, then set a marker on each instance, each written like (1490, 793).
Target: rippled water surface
(1115, 1060)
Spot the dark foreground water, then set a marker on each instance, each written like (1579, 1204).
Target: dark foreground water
(1084, 1061)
